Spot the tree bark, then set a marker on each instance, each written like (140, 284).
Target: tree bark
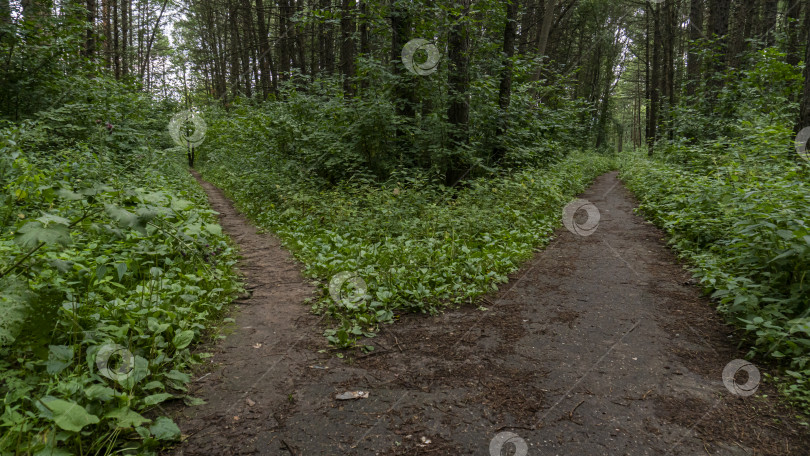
(542, 37)
(693, 64)
(804, 116)
(124, 37)
(769, 13)
(347, 47)
(792, 21)
(655, 81)
(458, 113)
(90, 34)
(264, 49)
(505, 90)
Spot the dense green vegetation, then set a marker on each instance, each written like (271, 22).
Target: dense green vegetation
(431, 186)
(735, 204)
(416, 243)
(111, 266)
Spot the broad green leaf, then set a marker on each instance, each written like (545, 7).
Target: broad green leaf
(33, 233)
(155, 399)
(121, 269)
(59, 357)
(99, 392)
(47, 219)
(213, 229)
(126, 418)
(165, 429)
(183, 339)
(69, 415)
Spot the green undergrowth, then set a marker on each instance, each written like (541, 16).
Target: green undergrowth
(112, 267)
(743, 223)
(417, 245)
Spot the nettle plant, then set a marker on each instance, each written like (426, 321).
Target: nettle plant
(84, 264)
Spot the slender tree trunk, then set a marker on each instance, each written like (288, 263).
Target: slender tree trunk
(718, 30)
(124, 37)
(247, 44)
(655, 80)
(365, 39)
(148, 53)
(233, 48)
(542, 37)
(404, 91)
(792, 21)
(769, 12)
(327, 44)
(505, 90)
(804, 116)
(116, 44)
(347, 47)
(696, 8)
(90, 35)
(458, 113)
(284, 39)
(264, 49)
(105, 11)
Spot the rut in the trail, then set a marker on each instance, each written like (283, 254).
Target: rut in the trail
(599, 345)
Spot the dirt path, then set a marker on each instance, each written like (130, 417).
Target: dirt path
(599, 345)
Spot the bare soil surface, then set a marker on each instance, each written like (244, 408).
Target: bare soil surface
(600, 345)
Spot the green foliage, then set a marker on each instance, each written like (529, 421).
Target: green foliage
(107, 250)
(417, 244)
(745, 227)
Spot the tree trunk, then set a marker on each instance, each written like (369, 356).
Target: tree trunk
(695, 33)
(804, 116)
(264, 49)
(792, 20)
(655, 80)
(116, 51)
(124, 37)
(458, 113)
(90, 35)
(284, 39)
(542, 37)
(505, 90)
(105, 11)
(769, 13)
(347, 47)
(718, 30)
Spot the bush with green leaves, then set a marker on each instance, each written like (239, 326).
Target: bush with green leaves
(745, 227)
(100, 250)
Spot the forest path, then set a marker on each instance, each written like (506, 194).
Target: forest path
(598, 345)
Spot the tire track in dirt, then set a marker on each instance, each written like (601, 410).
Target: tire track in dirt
(598, 345)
